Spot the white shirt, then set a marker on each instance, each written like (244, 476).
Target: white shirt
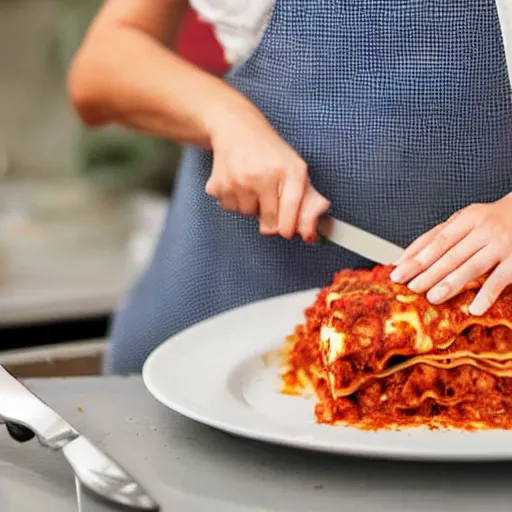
(238, 24)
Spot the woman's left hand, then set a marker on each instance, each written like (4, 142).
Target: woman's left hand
(469, 244)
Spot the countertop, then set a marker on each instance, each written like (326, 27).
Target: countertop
(63, 251)
(189, 467)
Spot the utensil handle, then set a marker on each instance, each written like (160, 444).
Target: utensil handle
(23, 412)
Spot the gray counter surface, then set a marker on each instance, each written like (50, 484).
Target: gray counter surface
(190, 467)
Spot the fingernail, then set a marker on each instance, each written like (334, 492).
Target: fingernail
(397, 275)
(438, 294)
(478, 307)
(415, 286)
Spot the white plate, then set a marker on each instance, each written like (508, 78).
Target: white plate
(215, 373)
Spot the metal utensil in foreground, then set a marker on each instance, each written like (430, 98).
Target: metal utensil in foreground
(26, 416)
(359, 241)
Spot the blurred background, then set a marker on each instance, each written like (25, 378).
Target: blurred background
(80, 210)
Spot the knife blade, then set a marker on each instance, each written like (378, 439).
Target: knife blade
(23, 413)
(359, 241)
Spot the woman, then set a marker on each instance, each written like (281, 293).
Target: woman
(396, 115)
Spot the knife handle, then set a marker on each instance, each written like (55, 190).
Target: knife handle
(19, 432)
(23, 412)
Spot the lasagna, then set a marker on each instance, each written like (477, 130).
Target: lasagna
(378, 356)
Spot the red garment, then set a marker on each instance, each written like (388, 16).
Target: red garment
(197, 44)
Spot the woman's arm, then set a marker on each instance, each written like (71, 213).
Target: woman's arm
(125, 73)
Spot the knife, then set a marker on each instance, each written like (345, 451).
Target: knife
(26, 416)
(359, 241)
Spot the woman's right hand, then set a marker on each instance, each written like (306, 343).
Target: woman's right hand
(256, 173)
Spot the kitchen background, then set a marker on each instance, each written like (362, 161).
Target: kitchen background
(80, 210)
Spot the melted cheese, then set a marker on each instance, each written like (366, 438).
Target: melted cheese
(333, 342)
(423, 340)
(406, 299)
(333, 296)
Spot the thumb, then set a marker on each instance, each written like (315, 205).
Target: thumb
(213, 185)
(211, 188)
(314, 205)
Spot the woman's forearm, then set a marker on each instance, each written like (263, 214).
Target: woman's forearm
(124, 75)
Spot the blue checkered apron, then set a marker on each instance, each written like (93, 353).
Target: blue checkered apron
(402, 110)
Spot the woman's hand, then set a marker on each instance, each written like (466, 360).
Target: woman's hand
(472, 242)
(256, 173)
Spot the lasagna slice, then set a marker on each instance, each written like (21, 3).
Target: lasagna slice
(380, 356)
